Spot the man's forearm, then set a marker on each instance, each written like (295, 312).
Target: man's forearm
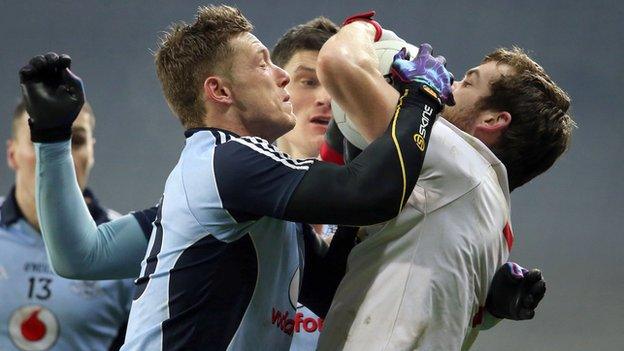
(348, 69)
(77, 248)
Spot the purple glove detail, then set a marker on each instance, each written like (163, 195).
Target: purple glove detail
(425, 69)
(516, 270)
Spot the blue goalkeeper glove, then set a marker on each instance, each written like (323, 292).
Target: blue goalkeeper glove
(428, 71)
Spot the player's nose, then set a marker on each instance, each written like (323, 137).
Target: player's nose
(323, 98)
(281, 76)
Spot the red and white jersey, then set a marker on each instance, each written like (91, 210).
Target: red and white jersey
(419, 281)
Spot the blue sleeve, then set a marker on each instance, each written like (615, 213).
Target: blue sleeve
(76, 246)
(254, 179)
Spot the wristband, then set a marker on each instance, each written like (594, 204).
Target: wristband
(50, 135)
(368, 18)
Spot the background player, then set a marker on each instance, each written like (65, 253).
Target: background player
(451, 256)
(39, 309)
(296, 52)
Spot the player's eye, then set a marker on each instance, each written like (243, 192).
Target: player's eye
(465, 83)
(310, 82)
(78, 139)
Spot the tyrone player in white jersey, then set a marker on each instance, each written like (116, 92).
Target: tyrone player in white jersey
(420, 281)
(296, 51)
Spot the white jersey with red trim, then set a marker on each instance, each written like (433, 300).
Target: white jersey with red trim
(419, 281)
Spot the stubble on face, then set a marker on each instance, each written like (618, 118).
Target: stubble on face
(258, 92)
(470, 92)
(462, 116)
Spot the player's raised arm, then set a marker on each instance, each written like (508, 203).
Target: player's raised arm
(77, 248)
(347, 68)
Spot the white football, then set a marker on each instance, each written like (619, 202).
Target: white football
(385, 51)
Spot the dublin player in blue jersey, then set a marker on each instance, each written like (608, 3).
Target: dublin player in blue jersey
(40, 310)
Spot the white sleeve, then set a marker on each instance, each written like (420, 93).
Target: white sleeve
(76, 246)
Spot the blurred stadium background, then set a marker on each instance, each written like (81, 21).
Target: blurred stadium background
(568, 222)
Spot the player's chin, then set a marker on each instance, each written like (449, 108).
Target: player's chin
(317, 129)
(288, 121)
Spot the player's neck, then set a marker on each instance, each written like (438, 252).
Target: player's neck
(318, 228)
(26, 203)
(294, 150)
(226, 120)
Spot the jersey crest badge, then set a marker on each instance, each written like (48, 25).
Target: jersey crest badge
(33, 328)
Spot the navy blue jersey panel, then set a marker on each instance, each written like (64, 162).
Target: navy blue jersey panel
(146, 218)
(254, 179)
(152, 259)
(210, 288)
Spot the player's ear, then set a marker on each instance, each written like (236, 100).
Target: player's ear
(10, 154)
(491, 125)
(218, 90)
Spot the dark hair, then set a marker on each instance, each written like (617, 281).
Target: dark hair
(308, 36)
(189, 53)
(540, 129)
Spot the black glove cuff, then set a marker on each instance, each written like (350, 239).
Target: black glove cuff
(420, 93)
(49, 135)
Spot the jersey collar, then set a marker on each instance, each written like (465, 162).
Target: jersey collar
(487, 154)
(11, 213)
(189, 132)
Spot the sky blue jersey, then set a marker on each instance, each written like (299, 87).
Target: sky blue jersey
(40, 310)
(217, 275)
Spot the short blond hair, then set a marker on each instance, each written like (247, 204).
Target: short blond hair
(189, 53)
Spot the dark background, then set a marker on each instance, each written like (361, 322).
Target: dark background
(567, 222)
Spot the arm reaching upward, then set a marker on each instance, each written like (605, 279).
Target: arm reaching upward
(76, 246)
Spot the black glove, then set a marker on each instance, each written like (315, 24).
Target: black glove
(515, 292)
(54, 97)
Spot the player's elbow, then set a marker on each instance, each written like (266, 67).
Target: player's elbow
(68, 271)
(336, 63)
(332, 65)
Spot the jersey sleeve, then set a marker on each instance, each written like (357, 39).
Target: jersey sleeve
(77, 247)
(254, 179)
